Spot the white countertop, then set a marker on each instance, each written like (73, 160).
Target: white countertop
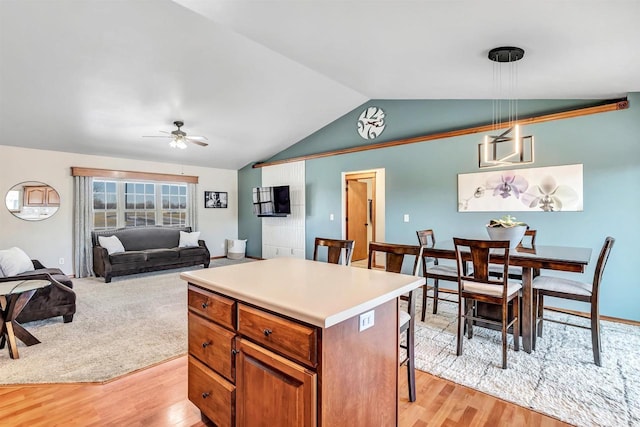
(314, 292)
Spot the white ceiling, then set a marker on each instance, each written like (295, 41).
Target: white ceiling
(93, 76)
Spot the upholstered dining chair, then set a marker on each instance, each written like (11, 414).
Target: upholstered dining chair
(479, 286)
(573, 290)
(395, 256)
(515, 272)
(334, 250)
(432, 269)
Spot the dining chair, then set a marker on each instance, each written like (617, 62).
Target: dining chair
(479, 286)
(334, 250)
(577, 291)
(395, 256)
(432, 269)
(515, 272)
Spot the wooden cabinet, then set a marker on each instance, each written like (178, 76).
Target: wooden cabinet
(41, 196)
(235, 382)
(272, 390)
(249, 366)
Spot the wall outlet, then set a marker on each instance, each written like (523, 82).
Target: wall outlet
(367, 320)
(61, 261)
(406, 217)
(330, 217)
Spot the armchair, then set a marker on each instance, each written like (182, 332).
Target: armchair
(59, 299)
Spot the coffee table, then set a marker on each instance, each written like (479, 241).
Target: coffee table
(14, 296)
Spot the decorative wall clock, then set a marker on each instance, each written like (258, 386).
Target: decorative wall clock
(371, 122)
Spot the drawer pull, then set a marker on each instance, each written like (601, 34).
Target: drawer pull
(267, 332)
(205, 394)
(205, 305)
(234, 351)
(206, 344)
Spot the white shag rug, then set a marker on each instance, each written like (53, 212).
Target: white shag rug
(558, 379)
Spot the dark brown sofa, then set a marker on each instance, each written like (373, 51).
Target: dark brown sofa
(51, 301)
(146, 249)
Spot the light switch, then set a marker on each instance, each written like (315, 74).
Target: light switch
(406, 217)
(330, 217)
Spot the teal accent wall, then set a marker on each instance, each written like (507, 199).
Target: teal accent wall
(249, 225)
(421, 180)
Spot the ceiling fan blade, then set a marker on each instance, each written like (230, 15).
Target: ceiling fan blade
(193, 141)
(200, 138)
(156, 136)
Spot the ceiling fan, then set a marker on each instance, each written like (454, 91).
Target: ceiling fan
(179, 138)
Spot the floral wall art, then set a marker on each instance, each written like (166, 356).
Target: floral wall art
(548, 189)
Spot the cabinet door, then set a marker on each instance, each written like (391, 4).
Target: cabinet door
(53, 198)
(212, 394)
(35, 196)
(273, 391)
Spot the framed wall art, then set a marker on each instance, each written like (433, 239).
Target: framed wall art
(215, 199)
(547, 189)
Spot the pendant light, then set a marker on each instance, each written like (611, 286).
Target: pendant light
(507, 146)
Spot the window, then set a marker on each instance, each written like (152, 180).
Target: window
(105, 205)
(174, 204)
(138, 204)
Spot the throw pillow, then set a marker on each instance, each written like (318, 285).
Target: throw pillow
(112, 244)
(14, 261)
(189, 240)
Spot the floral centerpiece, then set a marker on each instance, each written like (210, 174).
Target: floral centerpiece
(507, 228)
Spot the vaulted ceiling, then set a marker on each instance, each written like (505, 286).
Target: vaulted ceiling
(94, 76)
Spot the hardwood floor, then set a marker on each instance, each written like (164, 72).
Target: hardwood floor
(157, 397)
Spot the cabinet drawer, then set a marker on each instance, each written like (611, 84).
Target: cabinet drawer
(215, 307)
(279, 334)
(212, 394)
(212, 345)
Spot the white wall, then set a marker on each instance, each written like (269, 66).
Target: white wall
(52, 239)
(284, 236)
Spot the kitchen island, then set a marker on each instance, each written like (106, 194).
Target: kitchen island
(284, 342)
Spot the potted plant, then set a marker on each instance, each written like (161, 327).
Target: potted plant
(507, 228)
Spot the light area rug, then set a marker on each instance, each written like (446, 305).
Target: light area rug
(118, 328)
(558, 379)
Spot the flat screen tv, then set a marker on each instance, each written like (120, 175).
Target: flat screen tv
(271, 201)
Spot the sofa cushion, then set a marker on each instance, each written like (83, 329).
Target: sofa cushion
(198, 251)
(162, 254)
(14, 261)
(128, 257)
(139, 239)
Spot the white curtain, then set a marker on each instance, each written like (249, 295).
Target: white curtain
(192, 206)
(82, 224)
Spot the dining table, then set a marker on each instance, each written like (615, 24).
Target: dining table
(530, 259)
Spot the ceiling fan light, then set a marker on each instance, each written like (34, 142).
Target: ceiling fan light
(173, 144)
(181, 144)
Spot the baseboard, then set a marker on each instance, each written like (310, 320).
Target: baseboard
(247, 256)
(587, 315)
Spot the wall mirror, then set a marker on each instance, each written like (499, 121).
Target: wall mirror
(32, 200)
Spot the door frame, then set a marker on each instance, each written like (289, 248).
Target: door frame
(378, 182)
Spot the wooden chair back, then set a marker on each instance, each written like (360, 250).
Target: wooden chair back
(602, 262)
(395, 254)
(426, 238)
(478, 253)
(334, 249)
(529, 239)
